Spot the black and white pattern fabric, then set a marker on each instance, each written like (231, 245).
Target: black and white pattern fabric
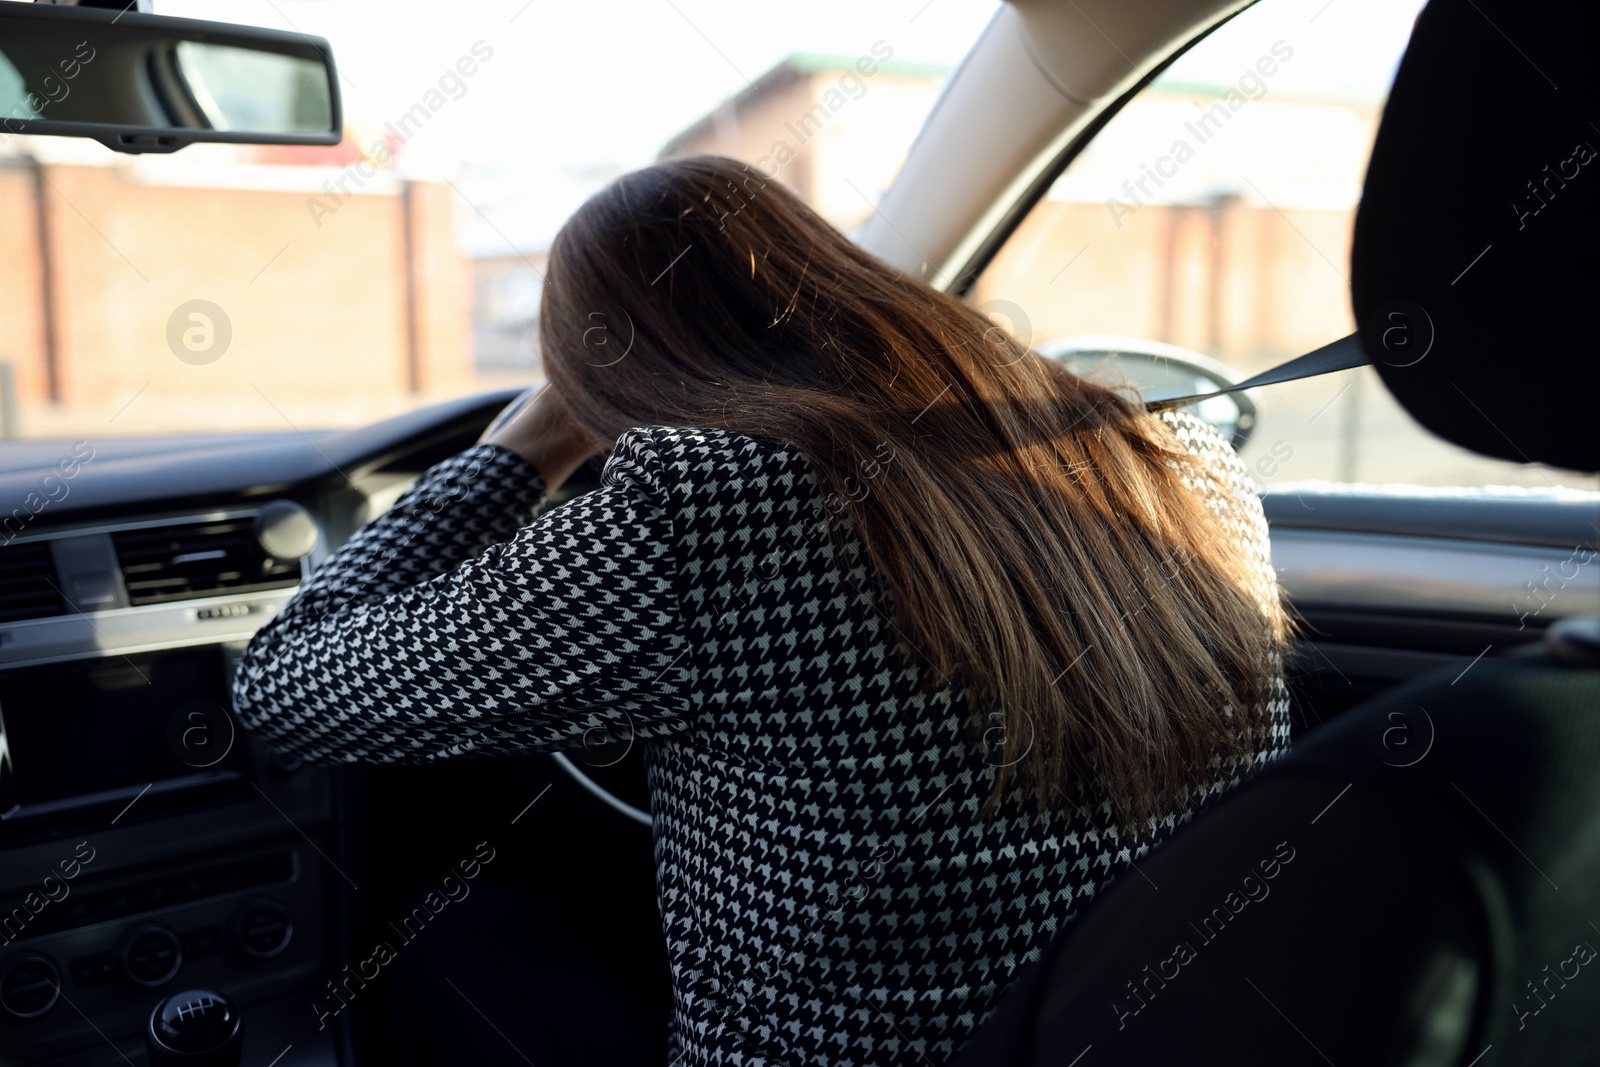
(829, 894)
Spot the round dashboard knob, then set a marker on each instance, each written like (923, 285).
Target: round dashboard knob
(149, 955)
(29, 985)
(262, 928)
(285, 530)
(196, 1027)
(1574, 640)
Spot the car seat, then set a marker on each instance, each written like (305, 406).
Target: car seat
(1418, 882)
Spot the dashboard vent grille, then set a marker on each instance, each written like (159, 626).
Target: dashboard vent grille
(27, 582)
(192, 559)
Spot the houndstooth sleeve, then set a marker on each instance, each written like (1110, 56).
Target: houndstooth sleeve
(457, 623)
(1225, 483)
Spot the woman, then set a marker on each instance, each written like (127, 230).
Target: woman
(926, 638)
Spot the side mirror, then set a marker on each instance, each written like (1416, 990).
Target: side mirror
(148, 83)
(1160, 372)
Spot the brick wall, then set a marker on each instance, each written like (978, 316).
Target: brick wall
(1243, 283)
(325, 328)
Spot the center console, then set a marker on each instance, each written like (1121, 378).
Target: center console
(149, 846)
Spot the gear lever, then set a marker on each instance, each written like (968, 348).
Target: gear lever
(195, 1028)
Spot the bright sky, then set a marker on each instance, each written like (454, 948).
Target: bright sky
(596, 83)
(577, 91)
(1340, 47)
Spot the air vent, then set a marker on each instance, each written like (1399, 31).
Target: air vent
(28, 582)
(193, 559)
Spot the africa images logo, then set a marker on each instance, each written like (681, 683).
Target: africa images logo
(1250, 85)
(1253, 888)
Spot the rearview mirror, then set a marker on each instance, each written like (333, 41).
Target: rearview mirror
(148, 83)
(1161, 372)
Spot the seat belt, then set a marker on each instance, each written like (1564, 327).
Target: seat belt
(1343, 354)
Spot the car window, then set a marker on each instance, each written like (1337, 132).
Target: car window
(260, 287)
(1214, 212)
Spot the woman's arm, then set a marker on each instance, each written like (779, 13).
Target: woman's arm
(456, 623)
(1230, 492)
(1225, 483)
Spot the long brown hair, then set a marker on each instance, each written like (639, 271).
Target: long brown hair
(1031, 531)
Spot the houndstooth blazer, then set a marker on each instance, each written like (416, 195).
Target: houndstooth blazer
(828, 892)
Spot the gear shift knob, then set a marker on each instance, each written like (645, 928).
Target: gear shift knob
(195, 1028)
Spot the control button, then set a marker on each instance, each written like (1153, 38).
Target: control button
(198, 1026)
(149, 955)
(1574, 640)
(29, 985)
(198, 944)
(285, 530)
(93, 590)
(262, 928)
(91, 970)
(282, 763)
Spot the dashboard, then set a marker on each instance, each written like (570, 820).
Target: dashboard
(148, 844)
(144, 841)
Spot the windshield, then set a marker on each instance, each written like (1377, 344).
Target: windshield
(1215, 212)
(226, 288)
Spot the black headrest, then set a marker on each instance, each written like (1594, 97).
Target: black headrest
(1474, 271)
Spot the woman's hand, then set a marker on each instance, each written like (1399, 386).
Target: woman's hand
(537, 427)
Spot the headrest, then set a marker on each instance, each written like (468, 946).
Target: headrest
(1475, 267)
